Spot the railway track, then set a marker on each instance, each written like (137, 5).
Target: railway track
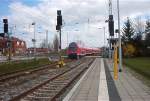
(15, 86)
(15, 74)
(51, 89)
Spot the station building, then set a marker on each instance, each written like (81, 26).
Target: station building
(17, 46)
(38, 50)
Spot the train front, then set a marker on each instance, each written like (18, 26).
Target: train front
(72, 50)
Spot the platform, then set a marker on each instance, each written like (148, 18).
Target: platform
(97, 84)
(128, 86)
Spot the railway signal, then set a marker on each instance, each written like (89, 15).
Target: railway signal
(2, 34)
(58, 28)
(5, 21)
(111, 25)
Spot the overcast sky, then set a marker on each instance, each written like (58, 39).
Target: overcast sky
(21, 13)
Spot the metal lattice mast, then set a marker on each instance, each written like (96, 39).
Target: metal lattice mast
(110, 7)
(110, 13)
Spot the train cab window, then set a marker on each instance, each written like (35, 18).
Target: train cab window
(73, 46)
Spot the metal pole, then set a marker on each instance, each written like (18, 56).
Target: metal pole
(9, 42)
(34, 43)
(109, 47)
(47, 40)
(104, 43)
(67, 39)
(120, 50)
(110, 7)
(60, 39)
(104, 36)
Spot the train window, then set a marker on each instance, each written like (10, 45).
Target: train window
(73, 46)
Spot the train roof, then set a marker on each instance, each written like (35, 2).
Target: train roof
(76, 44)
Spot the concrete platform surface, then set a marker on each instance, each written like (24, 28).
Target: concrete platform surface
(129, 87)
(88, 89)
(98, 84)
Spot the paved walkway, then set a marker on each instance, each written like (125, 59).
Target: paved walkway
(87, 89)
(97, 84)
(129, 87)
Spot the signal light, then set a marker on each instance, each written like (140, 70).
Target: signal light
(2, 34)
(58, 12)
(5, 28)
(111, 28)
(59, 20)
(111, 25)
(5, 21)
(58, 27)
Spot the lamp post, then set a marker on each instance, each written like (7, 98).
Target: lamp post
(120, 50)
(104, 33)
(34, 41)
(104, 38)
(47, 41)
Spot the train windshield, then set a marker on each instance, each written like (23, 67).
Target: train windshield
(73, 47)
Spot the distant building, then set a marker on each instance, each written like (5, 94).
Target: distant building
(18, 46)
(38, 50)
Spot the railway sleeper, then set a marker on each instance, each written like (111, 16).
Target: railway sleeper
(61, 83)
(48, 87)
(55, 88)
(39, 94)
(55, 84)
(47, 92)
(33, 98)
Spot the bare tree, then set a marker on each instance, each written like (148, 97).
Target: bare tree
(147, 32)
(43, 44)
(139, 26)
(50, 46)
(56, 43)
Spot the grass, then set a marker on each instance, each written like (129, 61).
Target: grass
(22, 65)
(140, 65)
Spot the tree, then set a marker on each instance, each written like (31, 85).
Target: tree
(137, 38)
(128, 50)
(56, 43)
(139, 26)
(128, 31)
(50, 46)
(43, 44)
(147, 32)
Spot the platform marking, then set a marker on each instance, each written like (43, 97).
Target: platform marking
(69, 95)
(103, 88)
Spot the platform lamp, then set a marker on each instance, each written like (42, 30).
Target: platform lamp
(34, 41)
(104, 38)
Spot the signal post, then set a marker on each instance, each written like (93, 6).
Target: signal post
(58, 28)
(5, 21)
(116, 62)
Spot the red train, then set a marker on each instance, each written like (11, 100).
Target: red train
(76, 51)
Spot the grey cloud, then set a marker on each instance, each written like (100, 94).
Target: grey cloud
(74, 11)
